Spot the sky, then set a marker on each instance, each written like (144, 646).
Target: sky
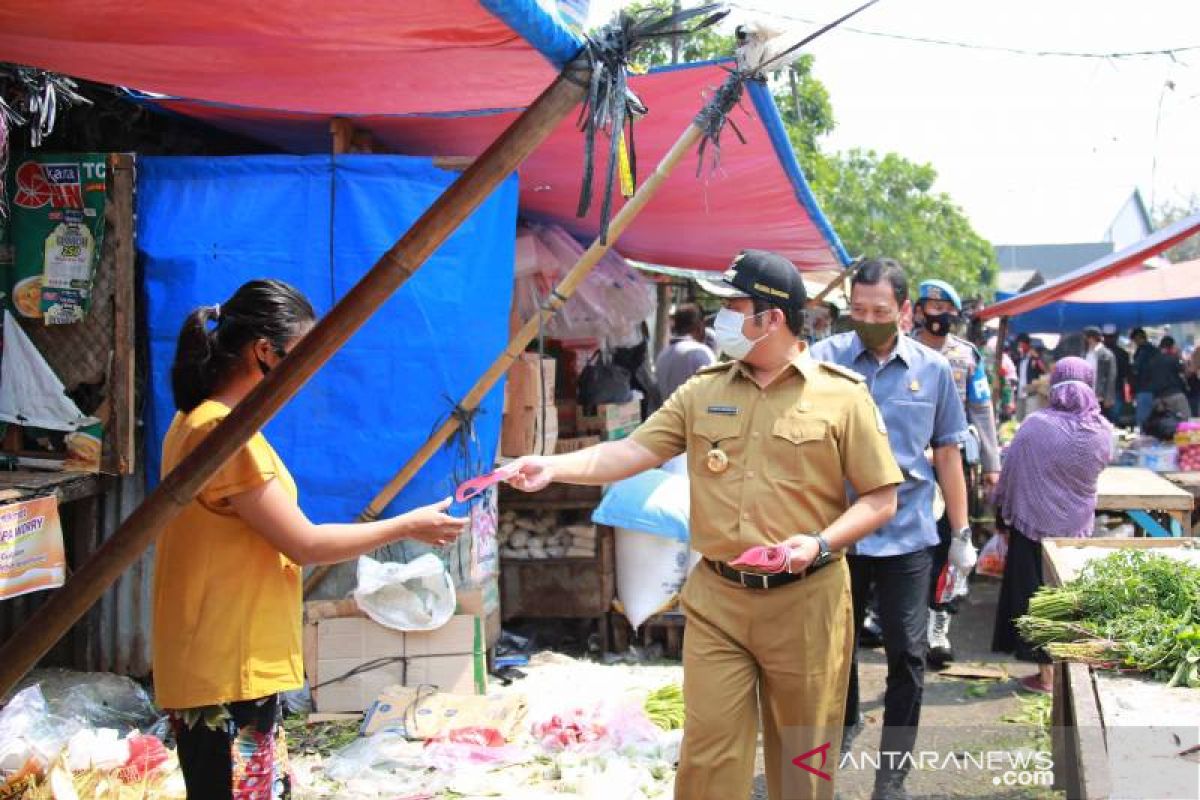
(1035, 149)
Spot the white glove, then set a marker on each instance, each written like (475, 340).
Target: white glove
(962, 551)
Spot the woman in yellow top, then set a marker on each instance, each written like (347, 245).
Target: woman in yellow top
(227, 582)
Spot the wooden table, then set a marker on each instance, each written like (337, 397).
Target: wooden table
(1107, 727)
(1136, 491)
(1189, 482)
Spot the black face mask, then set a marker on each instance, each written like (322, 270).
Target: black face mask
(938, 324)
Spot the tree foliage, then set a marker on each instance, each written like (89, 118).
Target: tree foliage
(1166, 213)
(879, 205)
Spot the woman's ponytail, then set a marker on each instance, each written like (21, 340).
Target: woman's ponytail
(192, 373)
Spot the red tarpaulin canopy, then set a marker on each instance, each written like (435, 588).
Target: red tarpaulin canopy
(378, 56)
(757, 196)
(435, 77)
(1096, 271)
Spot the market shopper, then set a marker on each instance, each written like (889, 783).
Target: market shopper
(1112, 342)
(914, 388)
(1167, 382)
(1143, 393)
(773, 439)
(1047, 488)
(685, 353)
(1030, 367)
(937, 311)
(1104, 365)
(227, 582)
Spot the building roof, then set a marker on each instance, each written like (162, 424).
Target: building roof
(1051, 260)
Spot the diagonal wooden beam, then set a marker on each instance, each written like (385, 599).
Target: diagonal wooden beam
(50, 622)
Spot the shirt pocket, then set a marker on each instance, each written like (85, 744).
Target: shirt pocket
(799, 448)
(715, 432)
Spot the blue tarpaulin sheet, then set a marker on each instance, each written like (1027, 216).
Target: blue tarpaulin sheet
(206, 225)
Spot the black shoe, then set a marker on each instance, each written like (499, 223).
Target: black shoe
(890, 788)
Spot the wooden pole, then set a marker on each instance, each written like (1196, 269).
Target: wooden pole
(557, 299)
(50, 622)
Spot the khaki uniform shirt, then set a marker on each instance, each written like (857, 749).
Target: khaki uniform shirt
(789, 451)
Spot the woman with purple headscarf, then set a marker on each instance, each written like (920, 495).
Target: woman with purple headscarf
(1048, 488)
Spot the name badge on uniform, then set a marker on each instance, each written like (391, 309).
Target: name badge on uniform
(914, 386)
(728, 411)
(717, 461)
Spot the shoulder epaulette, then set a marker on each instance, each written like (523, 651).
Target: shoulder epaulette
(970, 344)
(720, 366)
(845, 372)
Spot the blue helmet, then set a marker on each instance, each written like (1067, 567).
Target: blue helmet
(939, 290)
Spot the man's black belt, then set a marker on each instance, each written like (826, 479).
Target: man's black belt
(758, 580)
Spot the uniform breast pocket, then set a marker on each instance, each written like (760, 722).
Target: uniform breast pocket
(799, 450)
(709, 433)
(910, 415)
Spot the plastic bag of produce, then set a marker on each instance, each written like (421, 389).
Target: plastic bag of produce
(992, 557)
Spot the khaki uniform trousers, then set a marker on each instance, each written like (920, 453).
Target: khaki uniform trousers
(782, 652)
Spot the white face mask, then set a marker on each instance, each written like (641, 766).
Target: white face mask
(728, 329)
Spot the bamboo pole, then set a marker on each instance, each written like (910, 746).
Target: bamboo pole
(557, 299)
(50, 622)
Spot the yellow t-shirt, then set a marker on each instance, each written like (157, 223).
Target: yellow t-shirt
(227, 604)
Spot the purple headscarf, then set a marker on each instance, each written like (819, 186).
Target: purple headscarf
(1048, 484)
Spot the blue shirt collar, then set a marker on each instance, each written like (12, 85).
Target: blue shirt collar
(903, 350)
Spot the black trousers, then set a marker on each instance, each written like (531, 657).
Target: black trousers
(901, 586)
(206, 755)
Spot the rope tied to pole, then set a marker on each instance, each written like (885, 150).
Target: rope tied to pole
(610, 105)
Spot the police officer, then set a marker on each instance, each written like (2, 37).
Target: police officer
(937, 312)
(915, 391)
(773, 440)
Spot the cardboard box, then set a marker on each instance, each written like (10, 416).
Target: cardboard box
(450, 659)
(522, 432)
(418, 713)
(612, 421)
(574, 444)
(527, 386)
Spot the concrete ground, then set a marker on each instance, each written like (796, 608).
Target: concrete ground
(978, 707)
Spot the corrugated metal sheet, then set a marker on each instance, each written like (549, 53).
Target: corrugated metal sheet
(123, 619)
(115, 635)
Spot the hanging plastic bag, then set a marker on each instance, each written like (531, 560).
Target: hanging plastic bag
(603, 382)
(992, 557)
(417, 596)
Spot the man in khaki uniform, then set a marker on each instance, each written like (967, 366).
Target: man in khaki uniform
(773, 439)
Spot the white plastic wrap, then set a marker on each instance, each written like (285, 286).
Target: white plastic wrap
(611, 301)
(417, 596)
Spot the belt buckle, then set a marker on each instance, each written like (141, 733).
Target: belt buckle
(761, 580)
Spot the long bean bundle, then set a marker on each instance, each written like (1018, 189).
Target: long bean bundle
(1132, 609)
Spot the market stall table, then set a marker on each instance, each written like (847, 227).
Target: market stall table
(1189, 482)
(1137, 491)
(1107, 726)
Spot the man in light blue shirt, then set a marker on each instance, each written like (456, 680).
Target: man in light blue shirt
(913, 386)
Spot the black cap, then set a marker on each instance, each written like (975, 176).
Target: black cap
(763, 275)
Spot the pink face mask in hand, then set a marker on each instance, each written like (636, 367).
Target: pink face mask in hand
(773, 558)
(470, 489)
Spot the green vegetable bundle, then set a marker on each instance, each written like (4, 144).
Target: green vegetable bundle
(664, 707)
(1132, 609)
